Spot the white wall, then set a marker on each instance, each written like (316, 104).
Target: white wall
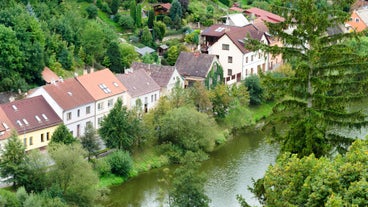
(152, 99)
(80, 120)
(172, 82)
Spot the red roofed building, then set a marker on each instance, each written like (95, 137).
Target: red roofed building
(33, 119)
(162, 9)
(105, 89)
(264, 15)
(49, 76)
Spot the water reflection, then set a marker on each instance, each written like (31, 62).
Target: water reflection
(229, 170)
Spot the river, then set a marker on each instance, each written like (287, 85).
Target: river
(229, 170)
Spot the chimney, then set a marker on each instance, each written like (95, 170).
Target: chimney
(196, 53)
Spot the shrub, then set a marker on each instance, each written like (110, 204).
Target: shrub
(173, 152)
(92, 11)
(126, 21)
(121, 163)
(102, 167)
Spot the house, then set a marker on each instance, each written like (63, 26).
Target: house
(162, 9)
(71, 102)
(237, 20)
(358, 20)
(6, 128)
(33, 119)
(227, 43)
(49, 76)
(200, 67)
(105, 89)
(165, 76)
(162, 49)
(266, 16)
(141, 88)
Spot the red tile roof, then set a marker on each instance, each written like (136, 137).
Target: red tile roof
(166, 6)
(101, 84)
(69, 94)
(5, 125)
(31, 114)
(138, 83)
(265, 15)
(49, 76)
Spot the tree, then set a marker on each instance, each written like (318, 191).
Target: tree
(127, 22)
(138, 19)
(146, 37)
(113, 52)
(119, 128)
(133, 11)
(311, 181)
(129, 55)
(89, 140)
(73, 175)
(200, 96)
(151, 18)
(121, 163)
(92, 11)
(255, 89)
(221, 100)
(12, 163)
(159, 30)
(172, 54)
(35, 174)
(188, 186)
(175, 10)
(114, 6)
(329, 76)
(184, 5)
(188, 129)
(62, 135)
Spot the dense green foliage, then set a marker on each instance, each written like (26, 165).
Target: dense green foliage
(329, 76)
(62, 135)
(120, 128)
(120, 162)
(90, 141)
(310, 181)
(255, 89)
(12, 164)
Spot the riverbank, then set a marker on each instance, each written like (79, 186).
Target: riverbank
(149, 159)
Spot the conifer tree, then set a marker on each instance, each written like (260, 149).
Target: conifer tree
(329, 76)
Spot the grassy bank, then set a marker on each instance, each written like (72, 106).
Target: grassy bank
(262, 111)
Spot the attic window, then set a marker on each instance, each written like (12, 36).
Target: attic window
(38, 119)
(104, 88)
(115, 84)
(25, 122)
(5, 126)
(19, 123)
(220, 29)
(356, 20)
(70, 93)
(15, 107)
(45, 117)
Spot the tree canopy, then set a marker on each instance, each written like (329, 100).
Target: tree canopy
(329, 76)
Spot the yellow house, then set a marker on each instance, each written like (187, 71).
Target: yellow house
(33, 119)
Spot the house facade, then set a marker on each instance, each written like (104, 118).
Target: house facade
(6, 128)
(358, 20)
(33, 119)
(71, 102)
(141, 88)
(165, 76)
(227, 43)
(199, 67)
(105, 89)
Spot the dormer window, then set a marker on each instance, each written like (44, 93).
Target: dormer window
(25, 122)
(19, 123)
(15, 107)
(5, 126)
(45, 117)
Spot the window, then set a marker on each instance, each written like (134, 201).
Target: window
(356, 20)
(88, 110)
(152, 98)
(229, 72)
(42, 139)
(30, 141)
(99, 120)
(25, 142)
(100, 106)
(230, 59)
(155, 97)
(48, 136)
(145, 100)
(251, 58)
(259, 55)
(78, 113)
(225, 46)
(246, 59)
(110, 103)
(69, 116)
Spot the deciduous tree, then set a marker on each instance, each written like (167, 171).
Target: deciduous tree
(89, 140)
(62, 135)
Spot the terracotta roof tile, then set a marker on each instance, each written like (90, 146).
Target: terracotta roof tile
(69, 93)
(49, 76)
(194, 64)
(138, 82)
(159, 73)
(31, 114)
(264, 15)
(5, 125)
(101, 84)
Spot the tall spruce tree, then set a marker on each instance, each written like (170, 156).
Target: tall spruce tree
(329, 77)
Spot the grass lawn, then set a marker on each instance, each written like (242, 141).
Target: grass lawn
(262, 111)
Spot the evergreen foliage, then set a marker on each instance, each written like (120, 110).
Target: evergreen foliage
(255, 89)
(89, 140)
(329, 76)
(114, 55)
(146, 37)
(121, 163)
(175, 10)
(62, 135)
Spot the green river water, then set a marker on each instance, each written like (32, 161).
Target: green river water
(229, 170)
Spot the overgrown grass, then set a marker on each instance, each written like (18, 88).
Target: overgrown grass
(262, 111)
(111, 180)
(107, 20)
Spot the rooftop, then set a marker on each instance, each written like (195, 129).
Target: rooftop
(161, 74)
(194, 64)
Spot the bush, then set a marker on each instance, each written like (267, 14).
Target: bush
(8, 198)
(173, 152)
(121, 163)
(126, 21)
(255, 89)
(102, 167)
(92, 11)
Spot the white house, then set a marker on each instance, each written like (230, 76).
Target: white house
(105, 90)
(165, 76)
(141, 88)
(227, 43)
(71, 102)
